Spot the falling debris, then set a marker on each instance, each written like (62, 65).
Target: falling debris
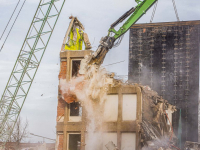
(111, 146)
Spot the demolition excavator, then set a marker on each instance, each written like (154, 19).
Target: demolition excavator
(28, 61)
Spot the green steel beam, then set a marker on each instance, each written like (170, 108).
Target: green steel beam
(140, 10)
(26, 65)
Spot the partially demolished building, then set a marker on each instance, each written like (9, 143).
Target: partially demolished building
(133, 115)
(97, 111)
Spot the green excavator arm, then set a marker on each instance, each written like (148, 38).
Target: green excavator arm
(107, 42)
(138, 12)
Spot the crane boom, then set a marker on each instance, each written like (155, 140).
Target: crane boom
(26, 65)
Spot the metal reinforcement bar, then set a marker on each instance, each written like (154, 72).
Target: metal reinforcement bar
(27, 64)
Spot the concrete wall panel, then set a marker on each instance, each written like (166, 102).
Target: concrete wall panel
(107, 137)
(128, 141)
(129, 107)
(111, 108)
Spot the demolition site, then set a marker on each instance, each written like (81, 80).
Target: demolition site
(155, 108)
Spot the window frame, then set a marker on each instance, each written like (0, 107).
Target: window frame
(71, 63)
(74, 118)
(68, 138)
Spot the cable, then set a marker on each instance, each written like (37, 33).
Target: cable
(12, 25)
(176, 12)
(154, 10)
(119, 41)
(175, 147)
(29, 35)
(9, 20)
(114, 63)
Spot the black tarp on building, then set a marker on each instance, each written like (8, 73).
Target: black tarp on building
(165, 56)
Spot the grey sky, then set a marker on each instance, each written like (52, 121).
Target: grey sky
(96, 16)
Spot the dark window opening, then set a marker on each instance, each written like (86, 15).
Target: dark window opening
(75, 67)
(74, 141)
(75, 109)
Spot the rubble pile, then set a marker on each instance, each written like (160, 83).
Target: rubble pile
(156, 126)
(191, 146)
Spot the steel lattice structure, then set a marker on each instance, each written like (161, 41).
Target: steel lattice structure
(27, 64)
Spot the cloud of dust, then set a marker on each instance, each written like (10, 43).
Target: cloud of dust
(90, 90)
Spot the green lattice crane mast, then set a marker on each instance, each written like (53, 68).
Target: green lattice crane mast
(108, 41)
(27, 64)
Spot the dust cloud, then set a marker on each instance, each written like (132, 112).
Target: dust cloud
(90, 89)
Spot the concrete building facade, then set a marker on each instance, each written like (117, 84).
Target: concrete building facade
(127, 113)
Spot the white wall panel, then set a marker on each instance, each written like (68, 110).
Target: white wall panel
(97, 141)
(129, 107)
(107, 137)
(128, 141)
(111, 108)
(93, 141)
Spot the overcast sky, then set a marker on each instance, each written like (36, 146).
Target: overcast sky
(96, 16)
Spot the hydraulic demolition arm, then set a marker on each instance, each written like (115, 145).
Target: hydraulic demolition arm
(107, 42)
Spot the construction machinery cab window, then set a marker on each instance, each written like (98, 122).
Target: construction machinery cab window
(75, 67)
(75, 109)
